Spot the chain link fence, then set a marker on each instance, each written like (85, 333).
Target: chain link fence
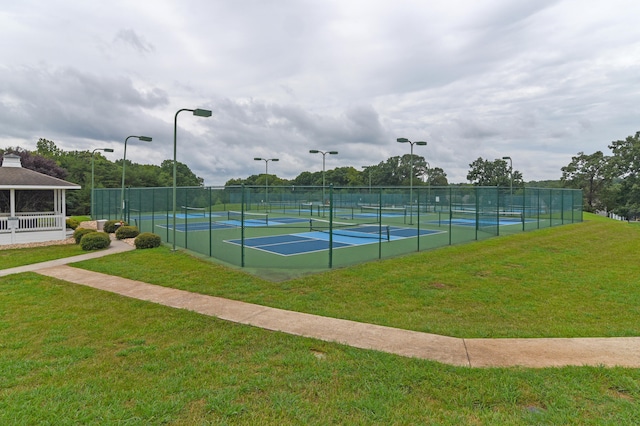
(287, 227)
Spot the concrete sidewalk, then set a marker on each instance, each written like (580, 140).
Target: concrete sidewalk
(116, 246)
(622, 351)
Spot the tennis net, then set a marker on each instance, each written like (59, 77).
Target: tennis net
(194, 211)
(255, 218)
(487, 217)
(402, 211)
(356, 230)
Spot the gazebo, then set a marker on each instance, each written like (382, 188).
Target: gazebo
(32, 204)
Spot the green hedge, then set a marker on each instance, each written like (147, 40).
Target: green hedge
(72, 223)
(147, 240)
(80, 232)
(95, 241)
(127, 232)
(110, 226)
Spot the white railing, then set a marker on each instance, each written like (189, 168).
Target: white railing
(38, 221)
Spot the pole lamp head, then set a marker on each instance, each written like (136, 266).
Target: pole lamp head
(313, 151)
(333, 152)
(108, 149)
(405, 140)
(258, 158)
(202, 112)
(275, 159)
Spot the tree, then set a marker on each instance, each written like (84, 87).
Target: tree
(493, 173)
(406, 173)
(234, 182)
(626, 163)
(184, 175)
(437, 177)
(37, 163)
(342, 176)
(47, 148)
(396, 171)
(591, 173)
(263, 179)
(308, 179)
(546, 183)
(387, 173)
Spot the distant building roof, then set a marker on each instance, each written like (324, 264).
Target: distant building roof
(14, 176)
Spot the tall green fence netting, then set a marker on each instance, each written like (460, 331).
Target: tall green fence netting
(316, 228)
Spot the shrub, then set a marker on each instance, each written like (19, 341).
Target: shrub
(127, 232)
(110, 226)
(147, 240)
(95, 241)
(72, 223)
(80, 232)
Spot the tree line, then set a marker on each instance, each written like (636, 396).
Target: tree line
(609, 182)
(395, 171)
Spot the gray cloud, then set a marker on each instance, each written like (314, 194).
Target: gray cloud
(539, 81)
(138, 43)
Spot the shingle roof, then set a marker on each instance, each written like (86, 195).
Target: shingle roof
(21, 178)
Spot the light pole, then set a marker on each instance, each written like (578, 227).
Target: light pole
(198, 113)
(324, 153)
(124, 165)
(511, 179)
(369, 168)
(428, 185)
(420, 143)
(92, 174)
(266, 175)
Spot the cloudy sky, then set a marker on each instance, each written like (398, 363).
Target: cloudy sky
(536, 80)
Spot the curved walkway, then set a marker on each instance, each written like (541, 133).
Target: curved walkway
(551, 352)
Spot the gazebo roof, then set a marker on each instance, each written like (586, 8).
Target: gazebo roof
(14, 176)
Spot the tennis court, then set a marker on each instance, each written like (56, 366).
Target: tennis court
(235, 225)
(234, 221)
(319, 240)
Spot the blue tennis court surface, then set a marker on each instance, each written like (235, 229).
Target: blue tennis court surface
(308, 242)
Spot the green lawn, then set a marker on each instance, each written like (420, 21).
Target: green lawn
(26, 256)
(572, 281)
(75, 355)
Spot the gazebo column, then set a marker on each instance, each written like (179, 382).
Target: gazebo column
(60, 210)
(12, 214)
(12, 203)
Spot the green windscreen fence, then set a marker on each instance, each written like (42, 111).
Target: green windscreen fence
(314, 228)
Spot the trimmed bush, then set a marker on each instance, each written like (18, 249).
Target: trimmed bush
(72, 223)
(80, 232)
(147, 240)
(127, 232)
(95, 241)
(110, 226)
